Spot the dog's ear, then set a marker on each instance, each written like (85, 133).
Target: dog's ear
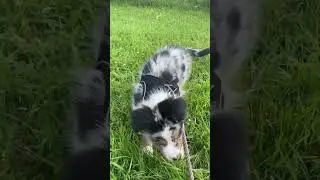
(142, 119)
(180, 106)
(173, 109)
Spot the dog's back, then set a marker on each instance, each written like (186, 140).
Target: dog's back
(170, 63)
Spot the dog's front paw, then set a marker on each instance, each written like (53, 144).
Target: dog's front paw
(148, 149)
(182, 154)
(181, 150)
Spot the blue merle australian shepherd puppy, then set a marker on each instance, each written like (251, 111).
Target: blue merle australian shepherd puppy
(158, 107)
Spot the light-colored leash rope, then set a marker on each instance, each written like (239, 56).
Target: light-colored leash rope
(186, 150)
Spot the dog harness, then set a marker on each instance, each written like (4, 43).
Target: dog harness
(151, 83)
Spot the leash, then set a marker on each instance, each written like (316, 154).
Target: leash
(186, 150)
(186, 147)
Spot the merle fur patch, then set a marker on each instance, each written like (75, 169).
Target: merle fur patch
(147, 68)
(143, 119)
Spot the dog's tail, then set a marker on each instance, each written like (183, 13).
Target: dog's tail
(199, 53)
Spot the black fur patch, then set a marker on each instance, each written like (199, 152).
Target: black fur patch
(164, 53)
(167, 76)
(183, 67)
(143, 120)
(173, 110)
(151, 83)
(175, 81)
(147, 68)
(155, 58)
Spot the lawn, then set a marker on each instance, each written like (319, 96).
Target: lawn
(283, 79)
(40, 42)
(137, 31)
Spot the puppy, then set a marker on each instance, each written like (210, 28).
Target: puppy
(158, 107)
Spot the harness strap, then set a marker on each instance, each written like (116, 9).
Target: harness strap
(151, 83)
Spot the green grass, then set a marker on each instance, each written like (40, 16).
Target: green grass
(283, 78)
(136, 33)
(40, 42)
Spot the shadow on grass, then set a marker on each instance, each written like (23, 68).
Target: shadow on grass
(196, 5)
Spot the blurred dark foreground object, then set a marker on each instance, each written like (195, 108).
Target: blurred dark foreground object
(88, 165)
(228, 144)
(88, 128)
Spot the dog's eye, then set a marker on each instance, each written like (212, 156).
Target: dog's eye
(176, 134)
(160, 141)
(172, 128)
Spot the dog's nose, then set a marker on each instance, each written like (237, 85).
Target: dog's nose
(175, 158)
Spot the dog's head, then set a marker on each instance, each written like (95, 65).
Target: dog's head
(162, 124)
